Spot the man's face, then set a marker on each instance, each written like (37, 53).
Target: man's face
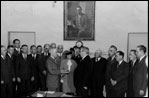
(82, 52)
(139, 53)
(47, 48)
(132, 56)
(11, 50)
(111, 52)
(25, 49)
(97, 54)
(60, 49)
(3, 51)
(17, 44)
(33, 50)
(79, 10)
(39, 50)
(118, 57)
(53, 52)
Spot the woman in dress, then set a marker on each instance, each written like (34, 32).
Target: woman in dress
(67, 68)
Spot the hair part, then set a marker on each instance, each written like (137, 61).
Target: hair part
(121, 53)
(142, 48)
(15, 40)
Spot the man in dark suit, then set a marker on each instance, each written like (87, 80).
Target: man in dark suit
(84, 73)
(98, 74)
(119, 76)
(132, 65)
(9, 56)
(42, 66)
(39, 49)
(6, 75)
(139, 75)
(17, 51)
(24, 72)
(110, 62)
(77, 58)
(34, 61)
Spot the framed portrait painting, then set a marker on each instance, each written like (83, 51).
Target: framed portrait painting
(79, 20)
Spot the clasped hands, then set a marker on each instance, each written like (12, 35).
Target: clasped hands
(113, 82)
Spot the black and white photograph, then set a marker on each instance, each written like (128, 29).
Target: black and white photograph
(74, 49)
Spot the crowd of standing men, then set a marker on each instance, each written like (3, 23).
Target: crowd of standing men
(23, 73)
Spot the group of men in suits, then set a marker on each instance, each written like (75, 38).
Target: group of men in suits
(23, 73)
(126, 78)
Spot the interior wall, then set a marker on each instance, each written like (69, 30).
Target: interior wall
(113, 21)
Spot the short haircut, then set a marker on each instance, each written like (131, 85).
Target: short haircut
(113, 46)
(46, 44)
(15, 40)
(24, 45)
(142, 47)
(86, 49)
(121, 53)
(32, 46)
(10, 46)
(134, 51)
(39, 46)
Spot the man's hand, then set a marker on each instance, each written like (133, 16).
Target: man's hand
(14, 79)
(85, 87)
(141, 92)
(2, 82)
(44, 72)
(18, 79)
(113, 82)
(32, 79)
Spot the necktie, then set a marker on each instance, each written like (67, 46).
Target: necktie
(96, 59)
(25, 57)
(117, 65)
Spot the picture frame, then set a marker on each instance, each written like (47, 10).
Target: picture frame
(79, 20)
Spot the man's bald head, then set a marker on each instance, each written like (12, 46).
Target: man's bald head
(98, 53)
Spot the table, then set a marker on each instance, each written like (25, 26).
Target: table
(44, 94)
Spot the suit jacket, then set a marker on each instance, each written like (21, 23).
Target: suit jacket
(42, 59)
(15, 56)
(10, 61)
(139, 77)
(34, 63)
(130, 92)
(6, 70)
(98, 73)
(83, 21)
(120, 74)
(24, 67)
(84, 73)
(110, 64)
(53, 73)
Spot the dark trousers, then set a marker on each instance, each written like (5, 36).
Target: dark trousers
(7, 89)
(108, 92)
(42, 82)
(130, 93)
(14, 88)
(82, 92)
(24, 87)
(97, 92)
(116, 93)
(35, 84)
